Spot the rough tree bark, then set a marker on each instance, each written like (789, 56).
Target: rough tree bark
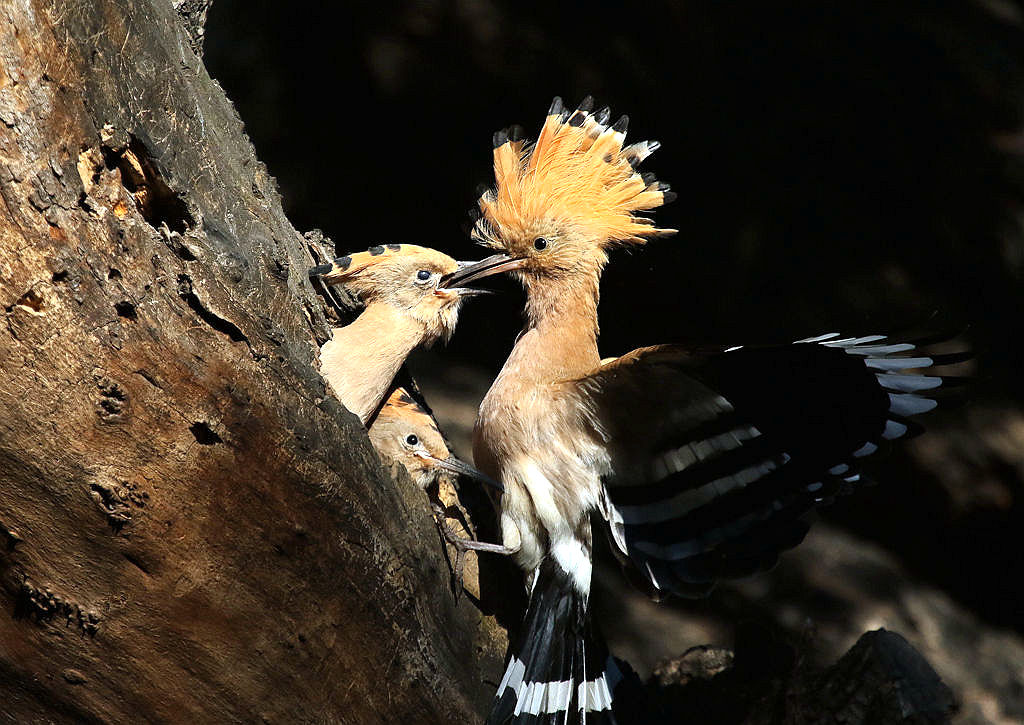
(191, 528)
(882, 680)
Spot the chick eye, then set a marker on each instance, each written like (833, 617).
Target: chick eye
(540, 244)
(423, 275)
(412, 439)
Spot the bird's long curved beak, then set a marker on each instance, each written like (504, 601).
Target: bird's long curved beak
(461, 468)
(470, 271)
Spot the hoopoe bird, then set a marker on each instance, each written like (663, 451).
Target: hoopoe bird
(407, 433)
(697, 464)
(407, 306)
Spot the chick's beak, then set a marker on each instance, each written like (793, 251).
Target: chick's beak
(469, 291)
(470, 271)
(455, 293)
(461, 468)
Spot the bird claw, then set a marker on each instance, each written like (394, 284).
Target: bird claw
(461, 545)
(458, 567)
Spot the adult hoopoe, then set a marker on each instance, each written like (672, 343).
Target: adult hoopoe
(407, 305)
(698, 465)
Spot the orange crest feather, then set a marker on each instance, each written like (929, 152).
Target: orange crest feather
(579, 171)
(405, 406)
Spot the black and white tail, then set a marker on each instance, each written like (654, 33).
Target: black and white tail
(559, 670)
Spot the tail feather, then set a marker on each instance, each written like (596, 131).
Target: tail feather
(559, 670)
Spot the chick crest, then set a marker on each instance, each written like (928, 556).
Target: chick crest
(565, 199)
(405, 276)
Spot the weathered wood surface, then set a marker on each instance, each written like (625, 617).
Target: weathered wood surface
(191, 528)
(882, 679)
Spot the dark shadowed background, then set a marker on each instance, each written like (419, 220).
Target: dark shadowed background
(840, 166)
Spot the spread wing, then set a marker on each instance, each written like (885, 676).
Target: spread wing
(716, 457)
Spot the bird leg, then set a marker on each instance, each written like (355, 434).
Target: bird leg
(462, 544)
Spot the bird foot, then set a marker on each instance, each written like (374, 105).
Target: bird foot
(462, 545)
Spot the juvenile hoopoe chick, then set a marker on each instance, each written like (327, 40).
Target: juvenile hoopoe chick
(407, 306)
(408, 434)
(698, 465)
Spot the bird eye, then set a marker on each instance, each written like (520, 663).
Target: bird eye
(412, 439)
(423, 275)
(540, 244)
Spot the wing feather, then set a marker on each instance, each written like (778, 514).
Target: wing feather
(718, 456)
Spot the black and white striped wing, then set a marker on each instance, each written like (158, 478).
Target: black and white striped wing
(716, 458)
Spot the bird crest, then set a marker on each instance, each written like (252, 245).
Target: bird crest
(352, 265)
(402, 406)
(579, 171)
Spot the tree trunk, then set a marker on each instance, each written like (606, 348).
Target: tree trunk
(191, 528)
